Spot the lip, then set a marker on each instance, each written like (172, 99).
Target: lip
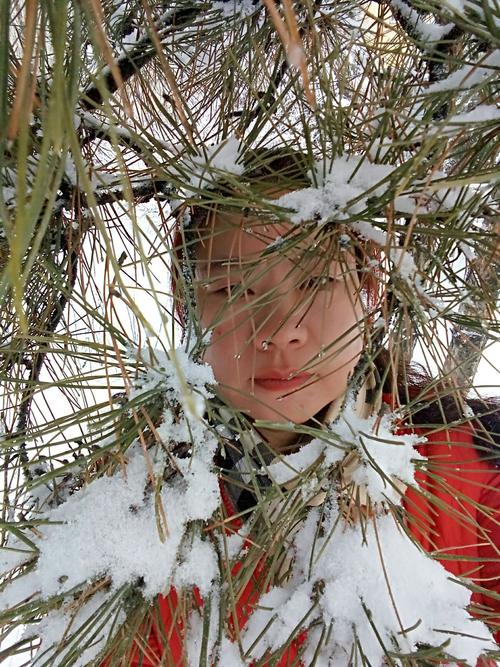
(280, 380)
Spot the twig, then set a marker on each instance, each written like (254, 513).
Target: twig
(131, 62)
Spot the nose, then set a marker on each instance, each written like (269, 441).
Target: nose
(282, 324)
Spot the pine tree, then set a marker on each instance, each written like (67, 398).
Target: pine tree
(119, 117)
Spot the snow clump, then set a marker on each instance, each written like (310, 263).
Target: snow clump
(345, 184)
(109, 529)
(185, 381)
(385, 455)
(331, 587)
(222, 157)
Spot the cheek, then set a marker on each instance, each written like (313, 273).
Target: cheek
(335, 314)
(211, 357)
(232, 325)
(218, 355)
(226, 350)
(215, 314)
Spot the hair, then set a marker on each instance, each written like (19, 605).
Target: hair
(440, 404)
(436, 403)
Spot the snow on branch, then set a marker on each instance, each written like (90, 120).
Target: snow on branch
(107, 533)
(414, 23)
(132, 60)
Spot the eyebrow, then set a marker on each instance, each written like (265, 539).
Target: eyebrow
(225, 263)
(240, 265)
(230, 262)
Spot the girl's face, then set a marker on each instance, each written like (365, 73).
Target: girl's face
(286, 328)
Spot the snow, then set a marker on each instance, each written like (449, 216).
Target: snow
(339, 572)
(352, 583)
(443, 197)
(201, 494)
(470, 8)
(119, 11)
(286, 609)
(369, 232)
(348, 580)
(404, 263)
(195, 631)
(70, 170)
(234, 543)
(467, 250)
(185, 379)
(345, 184)
(481, 114)
(405, 267)
(468, 75)
(9, 196)
(384, 455)
(14, 555)
(194, 638)
(222, 157)
(228, 654)
(428, 32)
(57, 623)
(110, 528)
(236, 7)
(101, 125)
(277, 243)
(291, 466)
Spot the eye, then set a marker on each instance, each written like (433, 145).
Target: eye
(318, 283)
(224, 291)
(233, 291)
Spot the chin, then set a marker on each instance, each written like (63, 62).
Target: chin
(281, 412)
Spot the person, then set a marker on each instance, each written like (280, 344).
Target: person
(285, 315)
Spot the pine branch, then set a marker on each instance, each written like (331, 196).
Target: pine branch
(436, 53)
(468, 343)
(134, 60)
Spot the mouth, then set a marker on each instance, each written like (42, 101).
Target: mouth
(281, 382)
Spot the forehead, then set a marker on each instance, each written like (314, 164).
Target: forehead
(234, 237)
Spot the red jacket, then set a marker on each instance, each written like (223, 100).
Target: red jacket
(453, 526)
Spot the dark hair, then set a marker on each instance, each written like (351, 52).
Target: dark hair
(438, 404)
